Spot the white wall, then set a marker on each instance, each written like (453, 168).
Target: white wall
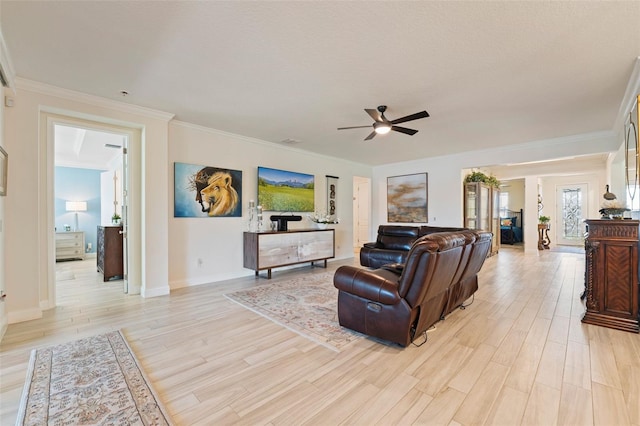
(445, 173)
(218, 241)
(28, 271)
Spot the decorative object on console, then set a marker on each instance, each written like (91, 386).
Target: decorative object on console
(612, 208)
(76, 206)
(284, 191)
(332, 195)
(4, 161)
(322, 220)
(205, 191)
(283, 220)
(251, 217)
(407, 198)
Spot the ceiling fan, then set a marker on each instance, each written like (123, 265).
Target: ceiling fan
(382, 125)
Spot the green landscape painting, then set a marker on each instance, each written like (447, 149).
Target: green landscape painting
(284, 191)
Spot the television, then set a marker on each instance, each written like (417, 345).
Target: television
(285, 191)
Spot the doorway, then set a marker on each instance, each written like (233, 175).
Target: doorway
(119, 138)
(571, 210)
(361, 211)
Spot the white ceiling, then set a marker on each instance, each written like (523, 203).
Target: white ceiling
(489, 73)
(86, 148)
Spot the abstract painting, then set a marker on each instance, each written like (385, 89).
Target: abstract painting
(407, 198)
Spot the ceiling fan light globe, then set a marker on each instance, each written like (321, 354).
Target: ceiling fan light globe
(381, 128)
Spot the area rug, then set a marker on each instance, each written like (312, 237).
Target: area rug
(91, 381)
(307, 305)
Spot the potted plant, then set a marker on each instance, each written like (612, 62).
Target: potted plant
(322, 220)
(544, 219)
(115, 219)
(481, 177)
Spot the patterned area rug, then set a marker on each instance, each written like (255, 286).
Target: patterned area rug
(305, 305)
(91, 381)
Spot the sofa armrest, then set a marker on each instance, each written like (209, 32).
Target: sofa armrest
(370, 245)
(377, 286)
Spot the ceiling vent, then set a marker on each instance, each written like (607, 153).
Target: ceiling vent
(290, 141)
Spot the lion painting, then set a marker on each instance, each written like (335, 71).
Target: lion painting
(219, 198)
(217, 191)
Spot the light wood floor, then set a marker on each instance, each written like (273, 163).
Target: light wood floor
(518, 355)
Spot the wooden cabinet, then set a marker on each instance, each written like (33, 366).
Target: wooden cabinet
(69, 245)
(110, 252)
(267, 250)
(611, 274)
(482, 210)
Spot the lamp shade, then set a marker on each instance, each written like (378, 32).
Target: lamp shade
(76, 206)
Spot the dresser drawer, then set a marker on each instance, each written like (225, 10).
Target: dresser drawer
(70, 245)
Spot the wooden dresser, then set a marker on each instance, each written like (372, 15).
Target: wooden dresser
(267, 250)
(69, 245)
(611, 274)
(110, 252)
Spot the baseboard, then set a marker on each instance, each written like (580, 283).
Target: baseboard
(24, 315)
(155, 292)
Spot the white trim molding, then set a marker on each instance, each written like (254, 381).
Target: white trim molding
(45, 89)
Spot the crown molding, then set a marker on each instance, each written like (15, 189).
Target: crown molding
(6, 65)
(258, 141)
(46, 89)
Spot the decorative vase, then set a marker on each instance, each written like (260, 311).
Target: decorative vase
(321, 225)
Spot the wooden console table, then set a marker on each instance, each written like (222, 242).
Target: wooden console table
(611, 274)
(268, 250)
(543, 236)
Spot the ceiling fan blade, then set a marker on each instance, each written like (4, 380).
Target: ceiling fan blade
(417, 115)
(375, 114)
(371, 136)
(404, 130)
(353, 127)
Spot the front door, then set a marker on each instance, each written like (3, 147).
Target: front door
(571, 210)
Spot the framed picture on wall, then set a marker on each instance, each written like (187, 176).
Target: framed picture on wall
(407, 198)
(206, 191)
(4, 161)
(332, 196)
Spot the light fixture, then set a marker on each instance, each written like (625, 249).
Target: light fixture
(381, 128)
(76, 206)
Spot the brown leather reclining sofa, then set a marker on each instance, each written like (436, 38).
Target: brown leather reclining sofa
(399, 302)
(393, 243)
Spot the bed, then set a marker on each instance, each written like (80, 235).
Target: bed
(511, 227)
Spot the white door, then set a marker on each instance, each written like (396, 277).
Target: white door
(124, 216)
(361, 210)
(571, 210)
